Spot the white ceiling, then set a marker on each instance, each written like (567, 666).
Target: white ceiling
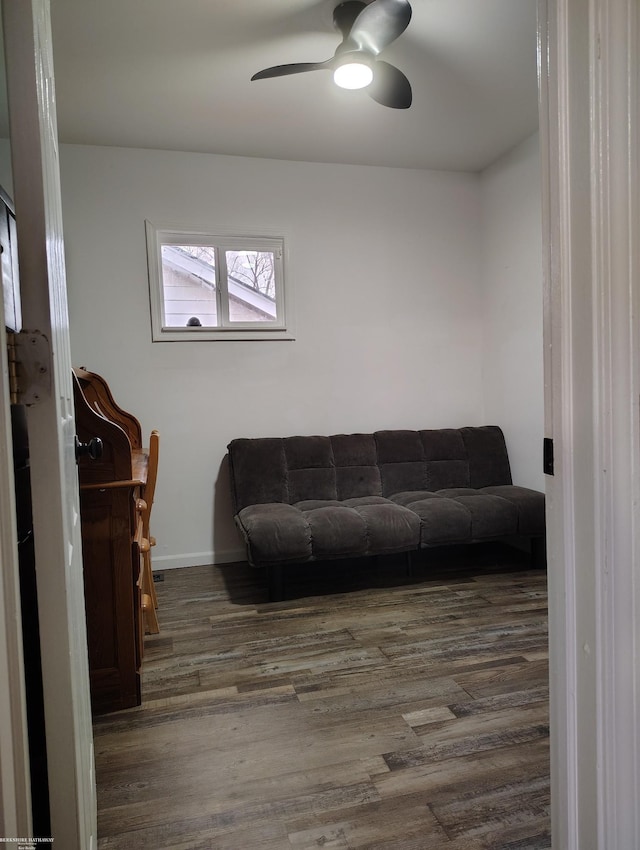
(175, 74)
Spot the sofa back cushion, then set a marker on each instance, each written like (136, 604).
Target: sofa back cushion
(441, 459)
(488, 458)
(346, 466)
(301, 468)
(422, 460)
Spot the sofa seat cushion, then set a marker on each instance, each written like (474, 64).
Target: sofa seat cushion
(327, 528)
(311, 504)
(274, 532)
(441, 520)
(491, 516)
(461, 514)
(529, 503)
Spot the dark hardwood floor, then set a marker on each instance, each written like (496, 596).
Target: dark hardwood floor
(368, 710)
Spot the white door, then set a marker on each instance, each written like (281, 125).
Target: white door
(36, 191)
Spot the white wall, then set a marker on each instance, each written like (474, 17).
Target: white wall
(511, 273)
(385, 268)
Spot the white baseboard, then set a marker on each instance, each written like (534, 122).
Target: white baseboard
(198, 559)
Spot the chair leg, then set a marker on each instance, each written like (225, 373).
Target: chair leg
(149, 597)
(151, 626)
(150, 585)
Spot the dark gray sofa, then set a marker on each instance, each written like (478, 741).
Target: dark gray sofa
(301, 499)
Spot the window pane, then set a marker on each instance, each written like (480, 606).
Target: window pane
(189, 285)
(252, 286)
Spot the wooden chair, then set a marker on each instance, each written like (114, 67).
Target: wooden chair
(149, 596)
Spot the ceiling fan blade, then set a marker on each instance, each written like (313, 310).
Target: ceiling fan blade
(295, 68)
(345, 14)
(380, 23)
(390, 87)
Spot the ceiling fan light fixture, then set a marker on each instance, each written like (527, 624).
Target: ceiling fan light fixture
(353, 75)
(367, 28)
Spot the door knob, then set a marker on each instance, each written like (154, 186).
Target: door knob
(93, 448)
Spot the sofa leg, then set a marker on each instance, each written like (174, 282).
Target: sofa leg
(377, 569)
(539, 553)
(409, 563)
(275, 579)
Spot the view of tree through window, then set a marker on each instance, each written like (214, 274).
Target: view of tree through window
(206, 253)
(254, 269)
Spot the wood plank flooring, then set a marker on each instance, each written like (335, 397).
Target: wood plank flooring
(367, 710)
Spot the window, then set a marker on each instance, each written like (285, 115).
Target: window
(216, 286)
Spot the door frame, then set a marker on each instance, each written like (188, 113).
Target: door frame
(590, 152)
(591, 205)
(51, 426)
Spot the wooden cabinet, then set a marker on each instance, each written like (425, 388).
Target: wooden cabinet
(112, 488)
(112, 567)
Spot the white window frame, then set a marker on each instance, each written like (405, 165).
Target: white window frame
(221, 238)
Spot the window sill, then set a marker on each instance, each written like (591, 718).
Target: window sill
(221, 335)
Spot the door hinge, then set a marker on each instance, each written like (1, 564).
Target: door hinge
(29, 356)
(547, 456)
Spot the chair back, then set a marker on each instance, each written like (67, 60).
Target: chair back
(152, 475)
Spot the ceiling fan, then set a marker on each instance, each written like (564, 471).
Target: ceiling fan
(366, 31)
